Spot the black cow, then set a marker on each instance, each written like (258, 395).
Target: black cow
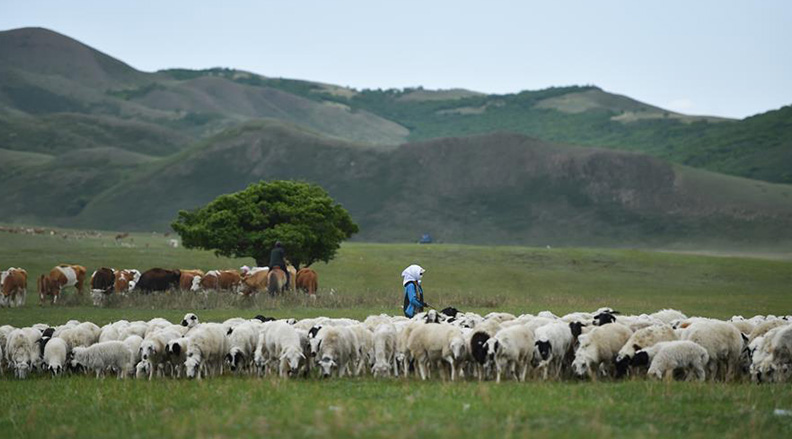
(103, 280)
(158, 279)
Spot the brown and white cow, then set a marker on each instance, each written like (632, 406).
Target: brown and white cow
(255, 281)
(186, 279)
(60, 277)
(13, 287)
(220, 280)
(125, 280)
(102, 284)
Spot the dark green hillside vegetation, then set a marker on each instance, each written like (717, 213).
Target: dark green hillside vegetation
(493, 188)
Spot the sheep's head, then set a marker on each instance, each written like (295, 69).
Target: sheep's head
(380, 370)
(622, 365)
(327, 364)
(234, 358)
(544, 349)
(192, 365)
(581, 364)
(147, 350)
(22, 369)
(640, 359)
(493, 346)
(295, 359)
(78, 357)
(457, 346)
(55, 369)
(190, 320)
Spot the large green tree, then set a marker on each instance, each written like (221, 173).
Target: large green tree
(301, 215)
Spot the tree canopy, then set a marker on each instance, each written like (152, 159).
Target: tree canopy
(302, 216)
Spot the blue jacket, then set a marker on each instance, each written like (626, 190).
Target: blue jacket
(413, 299)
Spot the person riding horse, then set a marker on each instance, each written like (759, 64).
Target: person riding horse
(278, 259)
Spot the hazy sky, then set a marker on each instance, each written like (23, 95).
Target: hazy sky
(726, 57)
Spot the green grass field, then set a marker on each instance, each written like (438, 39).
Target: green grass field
(364, 279)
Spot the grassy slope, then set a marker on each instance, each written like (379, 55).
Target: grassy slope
(481, 278)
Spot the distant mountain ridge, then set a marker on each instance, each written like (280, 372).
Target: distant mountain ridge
(88, 141)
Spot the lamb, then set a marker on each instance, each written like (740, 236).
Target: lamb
(152, 350)
(365, 347)
(434, 344)
(667, 356)
(22, 351)
(384, 350)
(599, 347)
(640, 339)
(337, 348)
(208, 346)
(512, 348)
(551, 346)
(114, 355)
(133, 342)
(176, 355)
(723, 343)
(284, 347)
(55, 352)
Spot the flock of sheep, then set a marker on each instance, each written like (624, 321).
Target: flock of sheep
(452, 344)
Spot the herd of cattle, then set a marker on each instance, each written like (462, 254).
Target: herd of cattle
(455, 345)
(106, 281)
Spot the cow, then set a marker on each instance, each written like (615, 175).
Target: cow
(255, 281)
(307, 281)
(125, 280)
(13, 287)
(158, 279)
(60, 277)
(220, 280)
(102, 284)
(186, 278)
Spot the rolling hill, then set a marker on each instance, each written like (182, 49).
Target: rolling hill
(88, 141)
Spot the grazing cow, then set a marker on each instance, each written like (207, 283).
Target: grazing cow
(255, 281)
(219, 280)
(103, 280)
(276, 281)
(125, 280)
(186, 278)
(13, 287)
(158, 279)
(60, 277)
(307, 281)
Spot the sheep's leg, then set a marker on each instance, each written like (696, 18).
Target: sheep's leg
(450, 361)
(422, 370)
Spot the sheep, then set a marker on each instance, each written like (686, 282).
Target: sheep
(365, 347)
(551, 346)
(152, 350)
(285, 348)
(337, 348)
(435, 344)
(133, 342)
(206, 351)
(384, 350)
(190, 320)
(512, 348)
(598, 348)
(114, 355)
(77, 336)
(667, 316)
(640, 339)
(762, 328)
(773, 359)
(22, 351)
(54, 357)
(667, 356)
(176, 355)
(723, 343)
(241, 346)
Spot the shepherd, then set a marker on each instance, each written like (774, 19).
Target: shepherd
(413, 293)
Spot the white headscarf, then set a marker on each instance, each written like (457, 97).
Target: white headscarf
(413, 273)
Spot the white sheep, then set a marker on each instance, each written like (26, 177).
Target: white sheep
(365, 347)
(241, 346)
(337, 349)
(668, 316)
(384, 350)
(206, 351)
(285, 348)
(667, 356)
(55, 352)
(434, 344)
(640, 339)
(153, 350)
(598, 348)
(723, 343)
(133, 343)
(512, 349)
(772, 356)
(113, 355)
(22, 350)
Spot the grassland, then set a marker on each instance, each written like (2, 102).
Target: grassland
(364, 279)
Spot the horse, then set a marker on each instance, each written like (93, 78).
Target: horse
(307, 281)
(276, 281)
(255, 282)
